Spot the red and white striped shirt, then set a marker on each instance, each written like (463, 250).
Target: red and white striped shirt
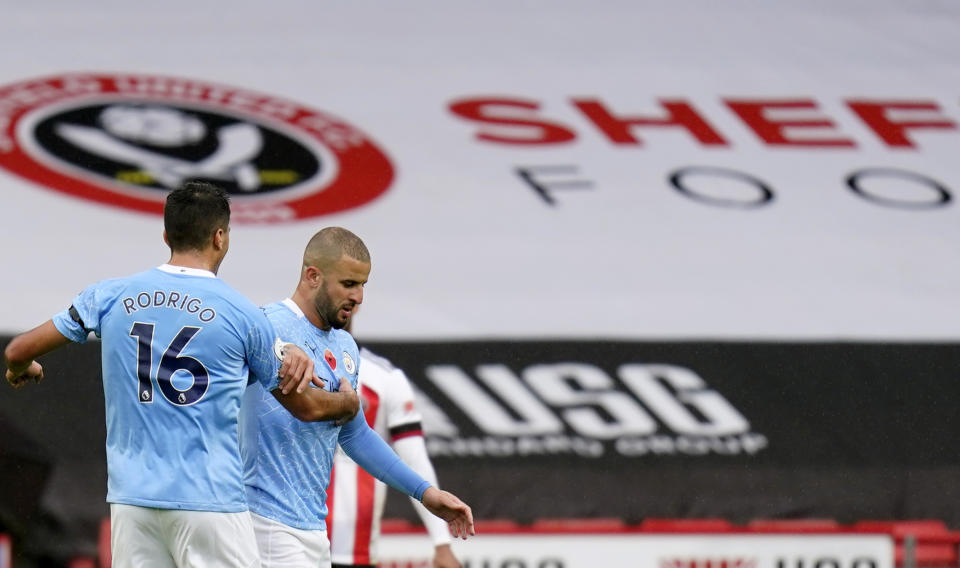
(355, 499)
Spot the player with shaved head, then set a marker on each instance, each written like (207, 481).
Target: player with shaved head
(287, 463)
(336, 252)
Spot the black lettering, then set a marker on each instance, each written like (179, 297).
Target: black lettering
(709, 193)
(193, 306)
(143, 300)
(210, 314)
(128, 305)
(939, 196)
(545, 188)
(159, 297)
(172, 299)
(184, 301)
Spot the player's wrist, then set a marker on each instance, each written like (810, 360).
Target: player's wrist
(17, 370)
(424, 497)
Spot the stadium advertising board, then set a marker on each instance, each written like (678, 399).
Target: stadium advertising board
(654, 189)
(648, 551)
(717, 429)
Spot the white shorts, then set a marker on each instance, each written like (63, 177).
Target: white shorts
(282, 546)
(142, 537)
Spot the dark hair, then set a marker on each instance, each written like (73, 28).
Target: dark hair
(193, 213)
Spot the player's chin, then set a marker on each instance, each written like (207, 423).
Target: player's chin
(340, 321)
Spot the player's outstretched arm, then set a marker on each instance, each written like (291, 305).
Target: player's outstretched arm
(314, 405)
(448, 507)
(20, 354)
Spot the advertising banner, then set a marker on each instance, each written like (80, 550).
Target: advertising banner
(530, 430)
(625, 170)
(648, 551)
(674, 259)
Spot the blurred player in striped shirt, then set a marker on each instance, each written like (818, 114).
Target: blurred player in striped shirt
(355, 499)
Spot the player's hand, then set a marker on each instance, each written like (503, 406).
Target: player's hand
(296, 370)
(443, 557)
(448, 507)
(353, 401)
(33, 372)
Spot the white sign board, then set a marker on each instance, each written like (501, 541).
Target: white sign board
(648, 551)
(621, 169)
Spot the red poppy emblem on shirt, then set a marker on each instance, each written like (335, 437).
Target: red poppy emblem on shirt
(331, 360)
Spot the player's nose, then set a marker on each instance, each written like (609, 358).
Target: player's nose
(356, 296)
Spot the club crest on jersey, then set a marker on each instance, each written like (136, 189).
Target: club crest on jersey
(349, 364)
(330, 359)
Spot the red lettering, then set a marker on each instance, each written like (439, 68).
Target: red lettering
(894, 132)
(504, 113)
(679, 113)
(775, 131)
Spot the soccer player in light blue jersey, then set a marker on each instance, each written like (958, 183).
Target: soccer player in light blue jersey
(179, 347)
(287, 462)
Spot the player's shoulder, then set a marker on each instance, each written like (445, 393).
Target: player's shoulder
(137, 277)
(120, 284)
(375, 361)
(277, 309)
(283, 317)
(345, 340)
(195, 282)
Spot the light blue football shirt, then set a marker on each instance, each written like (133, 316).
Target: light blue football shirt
(287, 462)
(178, 348)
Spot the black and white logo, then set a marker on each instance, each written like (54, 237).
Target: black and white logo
(126, 140)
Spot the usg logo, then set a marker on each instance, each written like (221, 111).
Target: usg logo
(126, 140)
(577, 408)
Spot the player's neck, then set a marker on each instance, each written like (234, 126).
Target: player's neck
(194, 259)
(309, 310)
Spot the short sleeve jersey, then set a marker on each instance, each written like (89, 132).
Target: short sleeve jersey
(178, 349)
(287, 462)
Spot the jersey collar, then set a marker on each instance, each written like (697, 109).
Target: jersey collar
(173, 269)
(293, 307)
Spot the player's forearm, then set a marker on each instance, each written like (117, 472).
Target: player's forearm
(20, 353)
(368, 449)
(333, 405)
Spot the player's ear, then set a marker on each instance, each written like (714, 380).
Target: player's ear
(165, 239)
(313, 275)
(219, 239)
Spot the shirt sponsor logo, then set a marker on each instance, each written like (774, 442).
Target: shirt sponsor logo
(126, 140)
